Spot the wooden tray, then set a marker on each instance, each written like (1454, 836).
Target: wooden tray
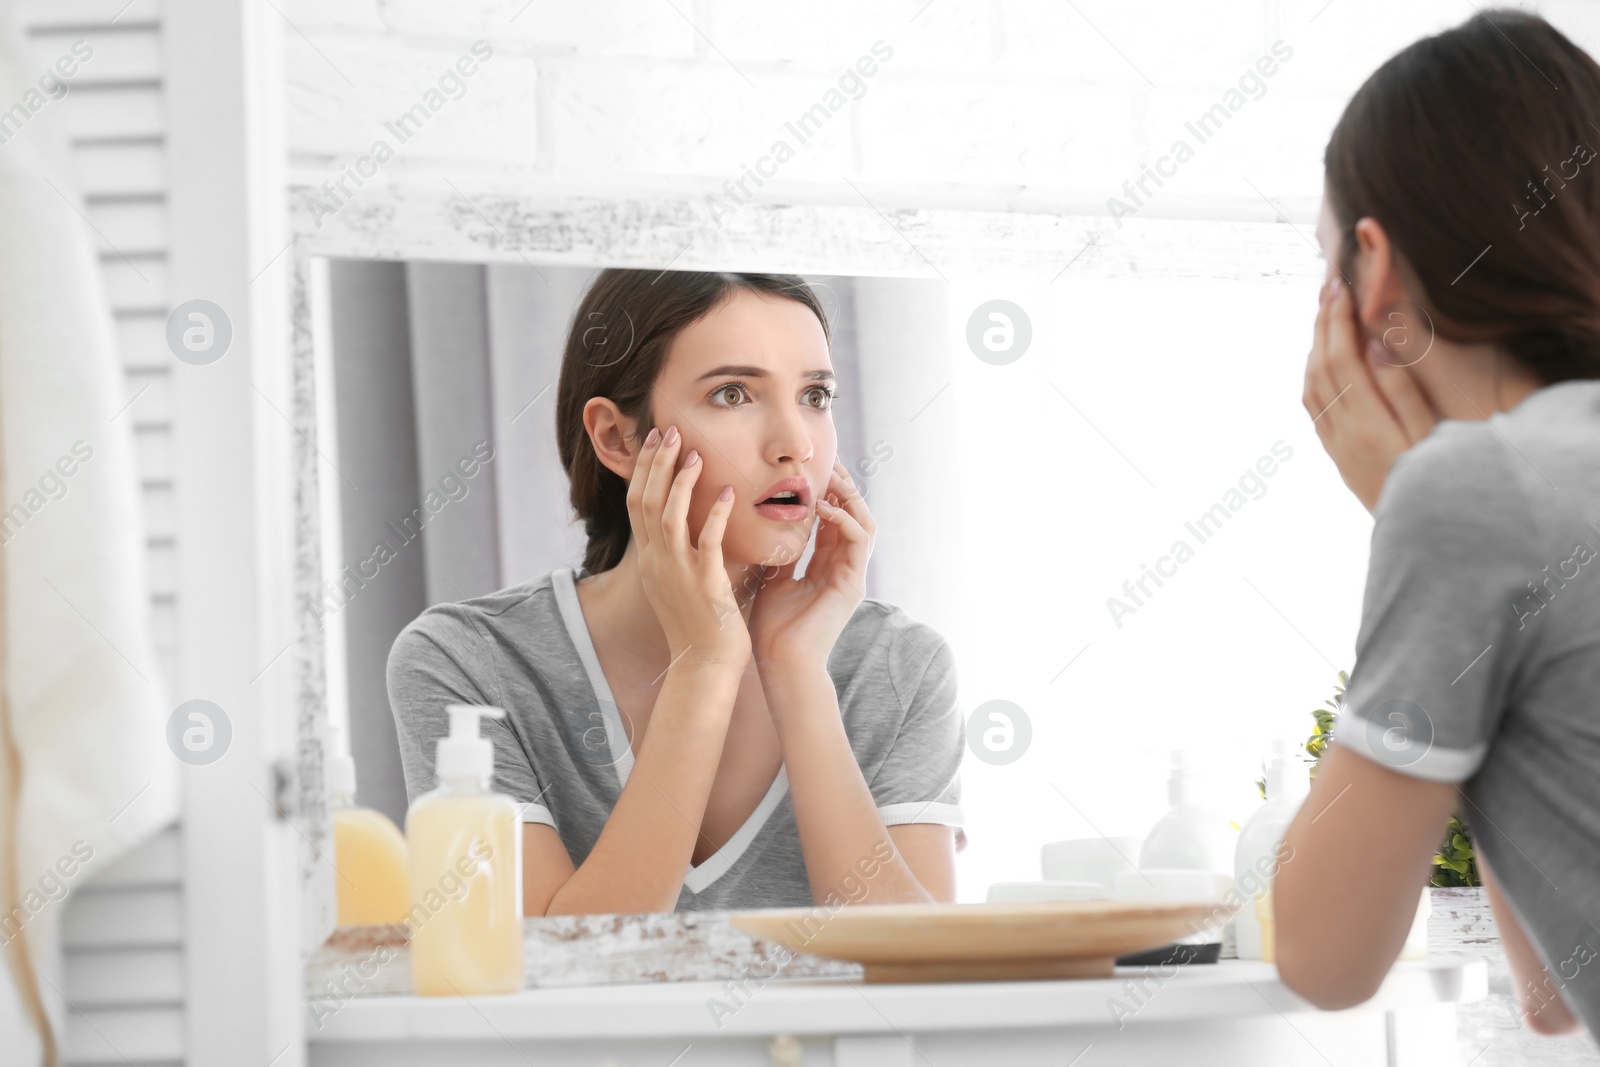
(983, 942)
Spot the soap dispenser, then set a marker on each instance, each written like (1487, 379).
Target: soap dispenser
(466, 871)
(1190, 836)
(369, 855)
(1256, 857)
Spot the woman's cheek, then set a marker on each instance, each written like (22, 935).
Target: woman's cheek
(706, 489)
(700, 501)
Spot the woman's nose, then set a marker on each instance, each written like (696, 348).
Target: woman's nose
(789, 441)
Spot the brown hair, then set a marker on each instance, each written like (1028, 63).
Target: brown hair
(619, 336)
(1473, 149)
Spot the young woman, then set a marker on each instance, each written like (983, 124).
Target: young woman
(690, 726)
(1452, 379)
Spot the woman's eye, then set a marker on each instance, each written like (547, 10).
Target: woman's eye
(821, 396)
(732, 389)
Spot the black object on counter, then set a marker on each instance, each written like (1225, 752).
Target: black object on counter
(1174, 953)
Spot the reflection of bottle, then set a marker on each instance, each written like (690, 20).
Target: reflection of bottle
(1416, 945)
(1190, 835)
(1255, 859)
(1263, 913)
(369, 855)
(466, 872)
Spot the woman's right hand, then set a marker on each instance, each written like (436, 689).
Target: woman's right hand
(1366, 408)
(686, 585)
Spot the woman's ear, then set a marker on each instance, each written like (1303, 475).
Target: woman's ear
(1380, 289)
(612, 435)
(1397, 328)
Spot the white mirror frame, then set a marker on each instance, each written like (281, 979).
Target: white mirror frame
(436, 218)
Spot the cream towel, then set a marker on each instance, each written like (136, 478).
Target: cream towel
(83, 708)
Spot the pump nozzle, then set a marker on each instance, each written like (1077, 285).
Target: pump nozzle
(1185, 785)
(340, 768)
(464, 754)
(1288, 777)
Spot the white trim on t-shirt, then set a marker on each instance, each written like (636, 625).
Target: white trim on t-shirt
(537, 813)
(697, 878)
(922, 811)
(1434, 762)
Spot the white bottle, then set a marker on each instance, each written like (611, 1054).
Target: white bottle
(369, 854)
(465, 847)
(1255, 860)
(1190, 836)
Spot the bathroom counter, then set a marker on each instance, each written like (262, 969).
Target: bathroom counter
(1231, 1013)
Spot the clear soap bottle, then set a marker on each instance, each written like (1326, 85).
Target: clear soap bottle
(369, 855)
(466, 872)
(1190, 835)
(1256, 857)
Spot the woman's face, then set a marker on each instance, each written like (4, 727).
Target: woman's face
(750, 386)
(1328, 240)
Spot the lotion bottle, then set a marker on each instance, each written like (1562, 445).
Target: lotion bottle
(1255, 860)
(369, 855)
(1190, 836)
(466, 872)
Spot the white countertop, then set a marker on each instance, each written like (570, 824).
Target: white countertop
(1229, 988)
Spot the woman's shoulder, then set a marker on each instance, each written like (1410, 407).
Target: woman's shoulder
(876, 622)
(884, 639)
(1467, 497)
(1475, 467)
(523, 609)
(1452, 475)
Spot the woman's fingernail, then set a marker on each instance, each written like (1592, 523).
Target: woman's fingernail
(671, 438)
(655, 435)
(692, 458)
(726, 494)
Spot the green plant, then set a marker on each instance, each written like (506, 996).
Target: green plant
(1455, 861)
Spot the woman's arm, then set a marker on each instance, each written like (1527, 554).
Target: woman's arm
(849, 853)
(639, 861)
(1359, 852)
(794, 623)
(1343, 900)
(1542, 1007)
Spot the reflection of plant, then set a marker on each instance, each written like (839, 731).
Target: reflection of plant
(1322, 732)
(1455, 860)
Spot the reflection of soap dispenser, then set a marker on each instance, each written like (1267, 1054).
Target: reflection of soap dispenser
(466, 871)
(1189, 836)
(369, 855)
(1256, 860)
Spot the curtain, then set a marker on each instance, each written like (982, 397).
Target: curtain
(86, 773)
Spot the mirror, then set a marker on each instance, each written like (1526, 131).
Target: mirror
(1113, 583)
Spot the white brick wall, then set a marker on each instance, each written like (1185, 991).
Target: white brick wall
(983, 100)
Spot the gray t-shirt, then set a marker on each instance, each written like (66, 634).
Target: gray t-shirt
(563, 751)
(1478, 659)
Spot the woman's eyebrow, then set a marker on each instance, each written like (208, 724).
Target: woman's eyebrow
(745, 371)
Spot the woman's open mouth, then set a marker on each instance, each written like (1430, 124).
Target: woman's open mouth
(788, 500)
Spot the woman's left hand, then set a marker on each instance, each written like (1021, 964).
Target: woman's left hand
(798, 621)
(1385, 412)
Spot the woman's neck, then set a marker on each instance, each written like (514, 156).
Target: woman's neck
(1474, 381)
(614, 602)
